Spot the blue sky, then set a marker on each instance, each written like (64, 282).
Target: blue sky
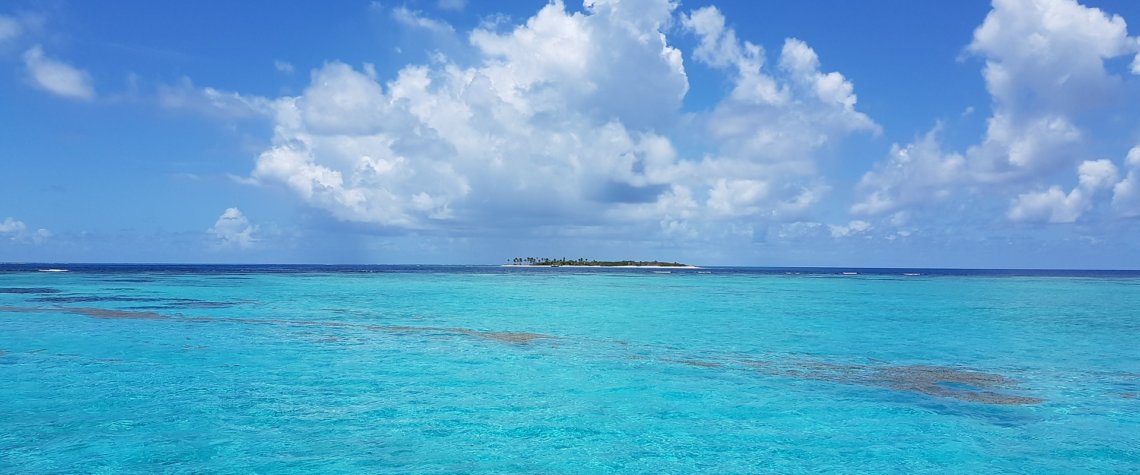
(814, 133)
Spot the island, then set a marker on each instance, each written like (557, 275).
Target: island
(581, 262)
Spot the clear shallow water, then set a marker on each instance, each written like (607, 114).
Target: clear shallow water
(486, 369)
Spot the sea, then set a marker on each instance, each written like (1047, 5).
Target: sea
(488, 369)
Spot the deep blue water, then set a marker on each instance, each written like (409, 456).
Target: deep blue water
(481, 369)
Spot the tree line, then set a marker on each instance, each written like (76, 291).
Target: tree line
(548, 261)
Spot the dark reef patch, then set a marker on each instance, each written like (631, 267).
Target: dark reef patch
(160, 303)
(941, 381)
(105, 313)
(90, 312)
(935, 381)
(507, 337)
(92, 298)
(179, 304)
(698, 363)
(130, 280)
(28, 290)
(27, 310)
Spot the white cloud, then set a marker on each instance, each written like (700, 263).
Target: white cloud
(283, 66)
(12, 227)
(584, 62)
(718, 46)
(1045, 72)
(782, 116)
(1095, 175)
(801, 99)
(10, 28)
(1044, 68)
(233, 230)
(1049, 53)
(209, 101)
(850, 229)
(41, 236)
(733, 197)
(17, 231)
(1126, 193)
(772, 124)
(415, 19)
(563, 120)
(1050, 206)
(57, 77)
(1055, 206)
(798, 230)
(917, 173)
(407, 154)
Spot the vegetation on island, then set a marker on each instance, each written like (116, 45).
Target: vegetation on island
(546, 261)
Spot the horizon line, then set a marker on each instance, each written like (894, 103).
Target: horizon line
(92, 263)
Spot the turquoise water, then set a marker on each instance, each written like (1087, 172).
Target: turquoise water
(493, 370)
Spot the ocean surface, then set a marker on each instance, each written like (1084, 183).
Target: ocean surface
(439, 369)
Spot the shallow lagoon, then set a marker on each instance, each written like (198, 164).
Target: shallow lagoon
(488, 369)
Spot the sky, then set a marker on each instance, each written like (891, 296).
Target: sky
(813, 133)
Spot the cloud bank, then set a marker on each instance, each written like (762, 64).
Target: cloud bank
(1045, 70)
(579, 123)
(569, 119)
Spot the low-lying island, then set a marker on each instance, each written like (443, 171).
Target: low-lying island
(563, 262)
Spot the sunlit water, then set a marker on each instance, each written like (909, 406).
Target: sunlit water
(487, 369)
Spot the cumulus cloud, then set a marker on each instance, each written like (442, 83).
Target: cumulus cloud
(17, 231)
(769, 129)
(916, 173)
(1044, 69)
(1056, 206)
(1045, 72)
(798, 230)
(1051, 206)
(797, 101)
(233, 230)
(41, 236)
(566, 119)
(12, 227)
(57, 77)
(850, 229)
(1126, 193)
